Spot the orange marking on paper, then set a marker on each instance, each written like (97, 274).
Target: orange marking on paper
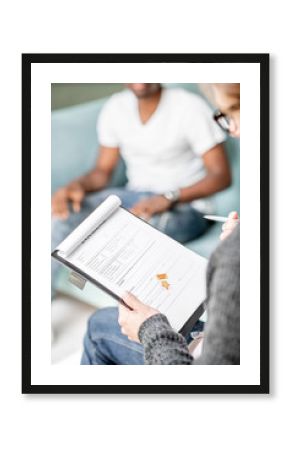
(161, 276)
(165, 284)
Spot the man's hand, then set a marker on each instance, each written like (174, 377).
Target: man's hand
(130, 321)
(148, 207)
(229, 225)
(74, 193)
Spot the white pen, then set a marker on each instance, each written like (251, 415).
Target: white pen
(216, 218)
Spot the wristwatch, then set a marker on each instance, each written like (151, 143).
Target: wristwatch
(172, 196)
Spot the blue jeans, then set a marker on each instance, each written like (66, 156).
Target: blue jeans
(182, 222)
(104, 344)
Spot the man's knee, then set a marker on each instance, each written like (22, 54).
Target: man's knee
(61, 228)
(182, 224)
(59, 231)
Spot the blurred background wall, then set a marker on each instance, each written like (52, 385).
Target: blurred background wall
(69, 94)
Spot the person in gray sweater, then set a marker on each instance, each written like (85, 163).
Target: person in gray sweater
(144, 335)
(221, 345)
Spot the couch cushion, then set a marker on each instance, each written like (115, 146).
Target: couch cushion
(74, 144)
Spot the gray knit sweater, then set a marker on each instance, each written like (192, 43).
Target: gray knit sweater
(162, 345)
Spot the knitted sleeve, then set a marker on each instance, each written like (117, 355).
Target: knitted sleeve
(162, 345)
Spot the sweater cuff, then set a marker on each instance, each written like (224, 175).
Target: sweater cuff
(150, 327)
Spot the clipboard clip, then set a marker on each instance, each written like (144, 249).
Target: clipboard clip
(77, 280)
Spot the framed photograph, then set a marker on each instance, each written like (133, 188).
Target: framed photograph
(128, 187)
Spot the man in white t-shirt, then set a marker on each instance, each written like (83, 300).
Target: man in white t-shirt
(174, 158)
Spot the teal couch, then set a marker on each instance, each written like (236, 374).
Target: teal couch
(74, 144)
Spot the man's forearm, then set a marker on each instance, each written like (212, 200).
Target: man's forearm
(94, 180)
(209, 185)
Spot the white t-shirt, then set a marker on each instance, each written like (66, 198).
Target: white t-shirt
(166, 152)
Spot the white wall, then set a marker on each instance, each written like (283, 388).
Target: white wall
(85, 422)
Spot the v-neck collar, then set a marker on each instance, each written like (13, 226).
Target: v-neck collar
(153, 116)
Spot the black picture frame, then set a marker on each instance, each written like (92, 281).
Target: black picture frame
(263, 61)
